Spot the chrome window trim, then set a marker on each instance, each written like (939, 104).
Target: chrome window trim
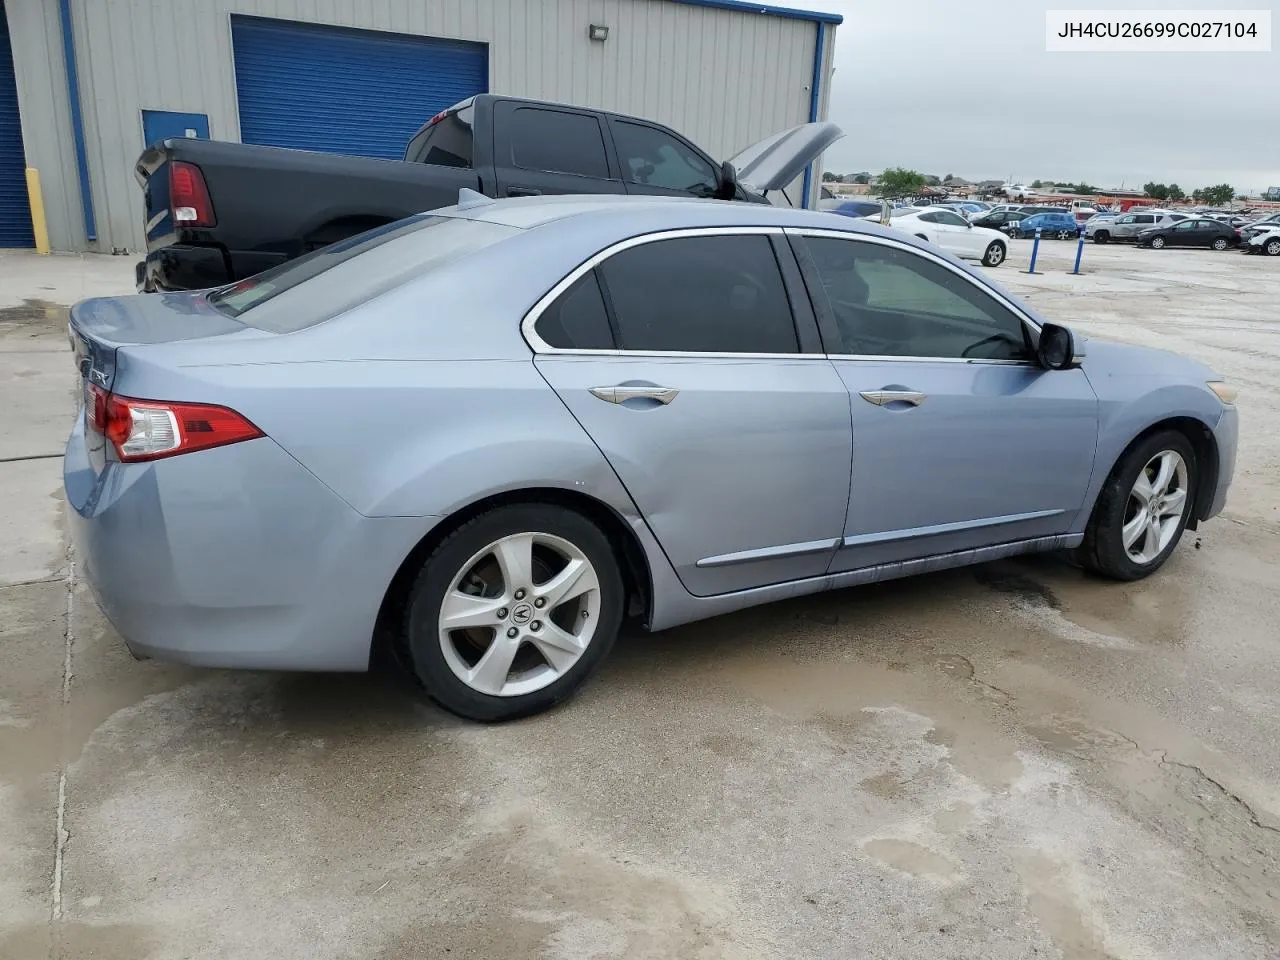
(929, 254)
(528, 326)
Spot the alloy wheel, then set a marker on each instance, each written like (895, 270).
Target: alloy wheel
(1157, 502)
(520, 614)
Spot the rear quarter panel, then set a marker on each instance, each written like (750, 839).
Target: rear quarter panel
(413, 404)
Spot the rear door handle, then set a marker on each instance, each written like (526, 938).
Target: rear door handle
(663, 395)
(883, 397)
(523, 192)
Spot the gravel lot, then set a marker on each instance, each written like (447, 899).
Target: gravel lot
(1009, 761)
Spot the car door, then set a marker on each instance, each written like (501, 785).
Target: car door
(548, 150)
(960, 238)
(1187, 233)
(927, 224)
(656, 161)
(960, 440)
(704, 384)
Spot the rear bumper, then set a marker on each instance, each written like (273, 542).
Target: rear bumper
(232, 557)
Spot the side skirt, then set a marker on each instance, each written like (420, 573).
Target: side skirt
(673, 605)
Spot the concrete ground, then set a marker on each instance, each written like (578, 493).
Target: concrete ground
(1010, 761)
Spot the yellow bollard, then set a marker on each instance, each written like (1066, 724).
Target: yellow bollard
(38, 224)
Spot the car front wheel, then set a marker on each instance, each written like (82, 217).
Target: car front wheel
(1272, 247)
(1101, 236)
(995, 254)
(513, 611)
(1142, 509)
(1157, 243)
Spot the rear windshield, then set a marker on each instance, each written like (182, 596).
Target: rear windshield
(329, 281)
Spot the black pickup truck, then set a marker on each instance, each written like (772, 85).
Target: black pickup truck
(217, 211)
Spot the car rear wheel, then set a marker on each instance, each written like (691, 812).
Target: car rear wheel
(513, 611)
(1101, 236)
(1065, 234)
(1220, 243)
(1157, 243)
(1142, 509)
(995, 254)
(1272, 247)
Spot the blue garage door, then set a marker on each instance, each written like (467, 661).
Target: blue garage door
(15, 210)
(346, 91)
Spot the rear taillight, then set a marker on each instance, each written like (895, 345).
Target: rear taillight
(142, 430)
(189, 196)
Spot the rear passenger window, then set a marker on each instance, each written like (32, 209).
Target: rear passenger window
(558, 142)
(577, 320)
(720, 294)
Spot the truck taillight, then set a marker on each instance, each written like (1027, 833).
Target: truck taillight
(141, 430)
(189, 196)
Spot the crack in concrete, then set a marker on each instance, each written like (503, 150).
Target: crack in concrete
(61, 834)
(1230, 795)
(34, 456)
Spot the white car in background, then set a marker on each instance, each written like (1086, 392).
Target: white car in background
(953, 233)
(1266, 240)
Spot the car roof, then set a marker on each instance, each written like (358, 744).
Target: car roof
(675, 213)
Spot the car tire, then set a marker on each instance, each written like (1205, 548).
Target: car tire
(1220, 243)
(479, 670)
(1101, 237)
(1272, 247)
(1157, 243)
(1118, 515)
(994, 255)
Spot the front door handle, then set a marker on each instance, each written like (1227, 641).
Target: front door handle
(882, 398)
(663, 395)
(523, 192)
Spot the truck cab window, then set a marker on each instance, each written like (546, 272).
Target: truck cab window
(445, 143)
(558, 142)
(656, 159)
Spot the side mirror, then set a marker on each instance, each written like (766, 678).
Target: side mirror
(1057, 348)
(727, 188)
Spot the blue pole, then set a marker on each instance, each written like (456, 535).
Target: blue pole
(1079, 252)
(1035, 250)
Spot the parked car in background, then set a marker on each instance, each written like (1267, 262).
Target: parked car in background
(1265, 239)
(1191, 232)
(1063, 226)
(855, 208)
(1261, 225)
(952, 232)
(965, 208)
(648, 417)
(216, 212)
(1127, 226)
(1002, 220)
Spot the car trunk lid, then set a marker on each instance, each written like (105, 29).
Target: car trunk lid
(776, 161)
(100, 327)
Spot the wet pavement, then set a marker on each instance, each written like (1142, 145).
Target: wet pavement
(1009, 761)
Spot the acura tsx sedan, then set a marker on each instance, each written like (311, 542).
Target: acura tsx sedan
(486, 435)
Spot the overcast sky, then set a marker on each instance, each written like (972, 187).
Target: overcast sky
(966, 87)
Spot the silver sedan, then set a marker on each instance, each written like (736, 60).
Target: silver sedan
(486, 435)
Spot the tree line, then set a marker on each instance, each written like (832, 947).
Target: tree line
(901, 182)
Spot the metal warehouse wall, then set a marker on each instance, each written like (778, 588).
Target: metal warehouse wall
(46, 115)
(724, 78)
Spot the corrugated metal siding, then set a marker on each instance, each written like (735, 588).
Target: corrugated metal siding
(723, 78)
(338, 90)
(15, 211)
(46, 115)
